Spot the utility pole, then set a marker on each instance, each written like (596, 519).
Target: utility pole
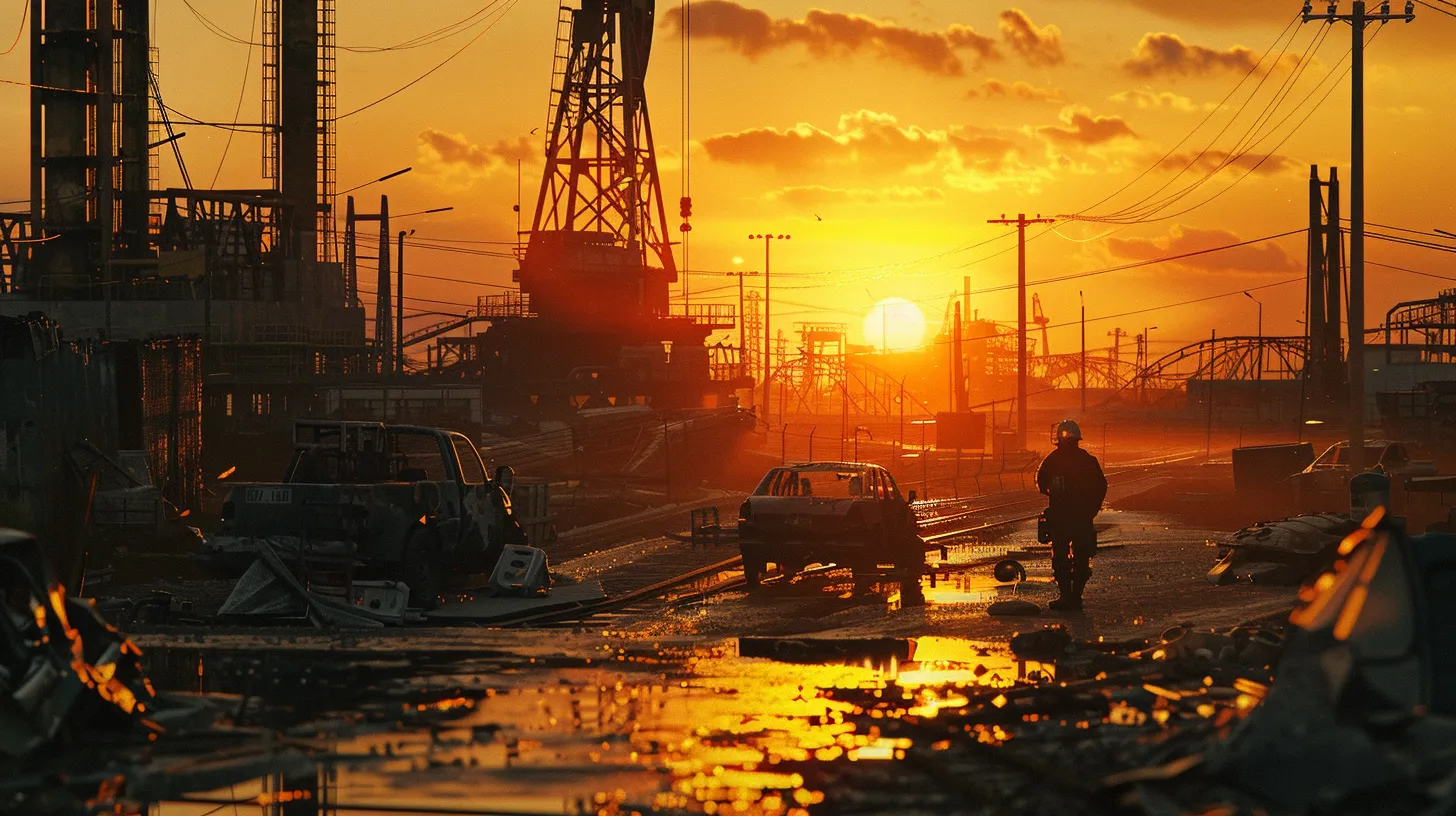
(1358, 20)
(1021, 223)
(383, 301)
(1116, 334)
(768, 239)
(958, 393)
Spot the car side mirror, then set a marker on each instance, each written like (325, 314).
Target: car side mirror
(913, 497)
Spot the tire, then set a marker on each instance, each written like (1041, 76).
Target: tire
(754, 566)
(421, 570)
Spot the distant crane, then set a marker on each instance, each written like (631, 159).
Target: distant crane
(1039, 318)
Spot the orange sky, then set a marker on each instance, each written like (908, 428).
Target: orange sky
(903, 125)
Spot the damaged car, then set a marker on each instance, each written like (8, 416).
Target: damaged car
(848, 514)
(410, 503)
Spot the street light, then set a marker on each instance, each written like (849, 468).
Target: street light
(857, 430)
(399, 307)
(385, 177)
(425, 212)
(399, 287)
(768, 239)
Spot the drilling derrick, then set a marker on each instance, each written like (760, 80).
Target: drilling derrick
(599, 251)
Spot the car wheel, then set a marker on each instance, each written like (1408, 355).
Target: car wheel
(910, 557)
(754, 566)
(420, 569)
(864, 572)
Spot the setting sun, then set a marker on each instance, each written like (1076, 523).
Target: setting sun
(894, 324)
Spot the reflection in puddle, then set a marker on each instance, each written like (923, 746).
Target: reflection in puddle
(964, 588)
(700, 730)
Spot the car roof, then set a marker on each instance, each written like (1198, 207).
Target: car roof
(810, 467)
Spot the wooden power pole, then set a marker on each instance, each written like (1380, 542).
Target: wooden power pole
(1021, 222)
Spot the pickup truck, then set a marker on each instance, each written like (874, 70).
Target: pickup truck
(405, 502)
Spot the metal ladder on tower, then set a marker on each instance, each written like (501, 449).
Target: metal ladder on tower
(328, 114)
(271, 52)
(560, 66)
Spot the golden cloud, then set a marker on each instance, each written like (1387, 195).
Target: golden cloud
(876, 145)
(1081, 128)
(1212, 161)
(819, 196)
(1146, 98)
(996, 89)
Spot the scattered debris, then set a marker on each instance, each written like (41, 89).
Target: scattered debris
(63, 669)
(1044, 644)
(1282, 553)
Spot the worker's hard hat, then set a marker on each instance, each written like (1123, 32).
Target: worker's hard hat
(1067, 431)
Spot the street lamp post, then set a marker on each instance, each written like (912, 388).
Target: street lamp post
(768, 239)
(399, 287)
(857, 431)
(399, 303)
(1260, 364)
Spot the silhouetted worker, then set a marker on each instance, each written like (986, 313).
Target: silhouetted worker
(1075, 486)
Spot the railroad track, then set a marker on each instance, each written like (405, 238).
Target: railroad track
(664, 577)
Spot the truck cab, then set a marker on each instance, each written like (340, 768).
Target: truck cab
(412, 502)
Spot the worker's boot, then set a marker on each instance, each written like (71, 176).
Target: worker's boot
(1079, 583)
(1065, 600)
(1062, 572)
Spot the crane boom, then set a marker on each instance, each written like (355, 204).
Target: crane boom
(1039, 318)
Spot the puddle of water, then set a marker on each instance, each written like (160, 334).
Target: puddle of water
(655, 728)
(965, 587)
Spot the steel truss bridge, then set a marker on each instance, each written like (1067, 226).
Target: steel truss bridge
(1249, 359)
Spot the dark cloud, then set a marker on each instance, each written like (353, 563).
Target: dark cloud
(1162, 54)
(1038, 46)
(454, 149)
(1080, 128)
(996, 89)
(1259, 258)
(1263, 164)
(753, 33)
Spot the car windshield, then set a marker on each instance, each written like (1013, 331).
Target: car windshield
(1339, 455)
(827, 483)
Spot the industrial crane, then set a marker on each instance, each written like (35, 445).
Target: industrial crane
(1039, 318)
(599, 250)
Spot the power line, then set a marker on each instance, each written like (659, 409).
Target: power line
(430, 38)
(1444, 11)
(438, 66)
(1233, 118)
(242, 91)
(1206, 119)
(1411, 271)
(24, 15)
(1398, 239)
(1252, 138)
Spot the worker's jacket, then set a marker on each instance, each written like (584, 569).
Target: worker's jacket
(1075, 486)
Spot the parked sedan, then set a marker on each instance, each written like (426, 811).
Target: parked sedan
(848, 514)
(1325, 484)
